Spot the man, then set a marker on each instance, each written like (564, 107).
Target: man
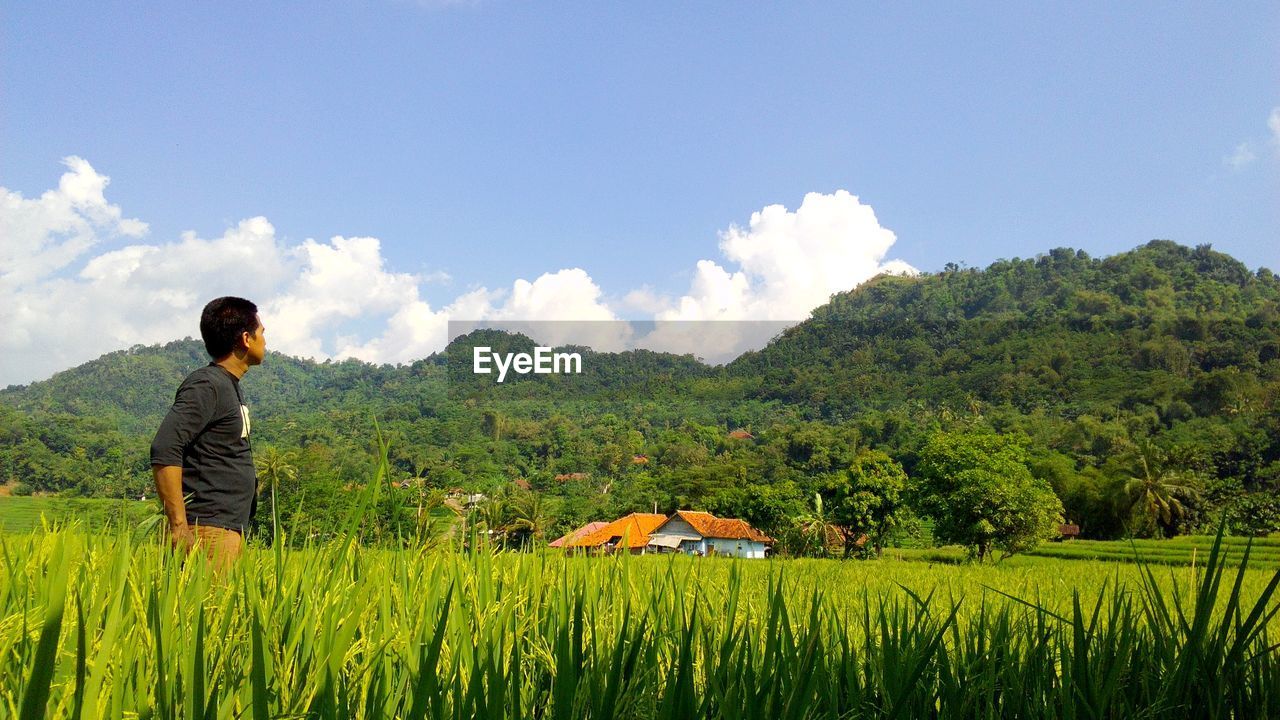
(202, 448)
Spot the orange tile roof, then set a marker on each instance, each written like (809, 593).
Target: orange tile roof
(709, 525)
(584, 530)
(634, 529)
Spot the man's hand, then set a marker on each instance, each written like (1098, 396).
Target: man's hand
(182, 538)
(169, 486)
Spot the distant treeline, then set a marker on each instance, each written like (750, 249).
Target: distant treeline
(1142, 388)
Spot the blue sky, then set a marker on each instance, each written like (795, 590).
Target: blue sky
(493, 142)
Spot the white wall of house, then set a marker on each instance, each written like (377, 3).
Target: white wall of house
(694, 547)
(736, 548)
(677, 526)
(720, 546)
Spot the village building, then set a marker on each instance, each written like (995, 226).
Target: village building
(581, 532)
(629, 534)
(701, 533)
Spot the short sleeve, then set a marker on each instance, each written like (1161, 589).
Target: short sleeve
(192, 410)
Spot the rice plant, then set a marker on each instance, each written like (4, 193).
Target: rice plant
(109, 627)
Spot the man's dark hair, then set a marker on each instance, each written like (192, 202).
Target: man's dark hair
(222, 322)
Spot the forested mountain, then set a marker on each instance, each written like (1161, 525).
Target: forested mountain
(1148, 379)
(1164, 328)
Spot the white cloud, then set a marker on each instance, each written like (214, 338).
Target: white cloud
(136, 294)
(643, 301)
(790, 262)
(339, 281)
(564, 295)
(1241, 157)
(412, 333)
(61, 305)
(45, 234)
(556, 308)
(1273, 122)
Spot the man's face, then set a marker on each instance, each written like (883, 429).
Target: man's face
(256, 345)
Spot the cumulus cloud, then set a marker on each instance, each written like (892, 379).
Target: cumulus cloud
(45, 234)
(788, 263)
(344, 279)
(564, 307)
(61, 304)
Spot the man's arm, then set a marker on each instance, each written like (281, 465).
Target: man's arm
(191, 412)
(169, 488)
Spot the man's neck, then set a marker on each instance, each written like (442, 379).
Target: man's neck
(234, 365)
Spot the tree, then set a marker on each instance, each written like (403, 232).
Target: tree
(1155, 494)
(871, 503)
(1256, 513)
(978, 490)
(274, 467)
(530, 517)
(492, 425)
(768, 507)
(492, 515)
(815, 528)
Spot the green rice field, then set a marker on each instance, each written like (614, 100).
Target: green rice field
(96, 625)
(25, 514)
(1186, 550)
(1189, 551)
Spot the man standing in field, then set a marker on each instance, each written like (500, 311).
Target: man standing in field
(202, 448)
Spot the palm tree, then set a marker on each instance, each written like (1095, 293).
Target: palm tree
(1156, 493)
(493, 513)
(276, 466)
(530, 515)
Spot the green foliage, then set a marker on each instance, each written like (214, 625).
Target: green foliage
(1155, 494)
(1165, 346)
(871, 501)
(978, 490)
(1254, 514)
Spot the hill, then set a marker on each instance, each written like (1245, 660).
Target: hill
(1164, 360)
(1165, 329)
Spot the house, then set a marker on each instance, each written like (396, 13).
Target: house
(741, 434)
(701, 533)
(639, 459)
(461, 501)
(522, 483)
(630, 533)
(1068, 531)
(580, 532)
(566, 477)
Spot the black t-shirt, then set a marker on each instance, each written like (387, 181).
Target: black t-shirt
(207, 433)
